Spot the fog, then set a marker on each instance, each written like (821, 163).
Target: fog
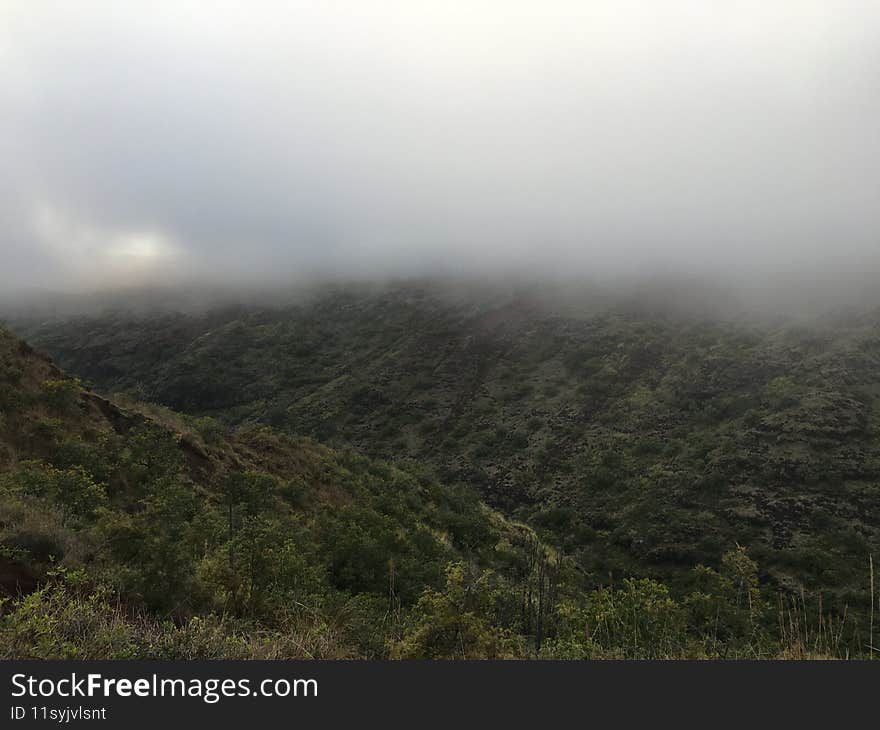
(164, 143)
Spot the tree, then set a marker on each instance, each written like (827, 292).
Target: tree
(455, 623)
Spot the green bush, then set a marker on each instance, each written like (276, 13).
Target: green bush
(62, 396)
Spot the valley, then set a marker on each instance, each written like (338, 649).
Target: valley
(629, 443)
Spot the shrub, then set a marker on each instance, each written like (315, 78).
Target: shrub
(62, 396)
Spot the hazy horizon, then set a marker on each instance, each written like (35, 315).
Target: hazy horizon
(251, 144)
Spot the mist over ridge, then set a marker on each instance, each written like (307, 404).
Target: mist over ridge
(732, 148)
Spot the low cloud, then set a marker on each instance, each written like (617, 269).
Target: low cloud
(232, 142)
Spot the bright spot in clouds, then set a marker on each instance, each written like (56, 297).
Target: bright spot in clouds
(106, 258)
(144, 249)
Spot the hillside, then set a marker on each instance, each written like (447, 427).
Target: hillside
(640, 443)
(140, 532)
(636, 445)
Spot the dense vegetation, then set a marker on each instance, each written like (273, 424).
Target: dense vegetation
(134, 535)
(669, 486)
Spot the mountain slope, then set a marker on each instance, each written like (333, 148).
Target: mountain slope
(303, 550)
(638, 443)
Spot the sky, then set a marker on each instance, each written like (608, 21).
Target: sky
(156, 142)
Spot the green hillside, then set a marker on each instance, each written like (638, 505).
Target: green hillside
(636, 446)
(142, 533)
